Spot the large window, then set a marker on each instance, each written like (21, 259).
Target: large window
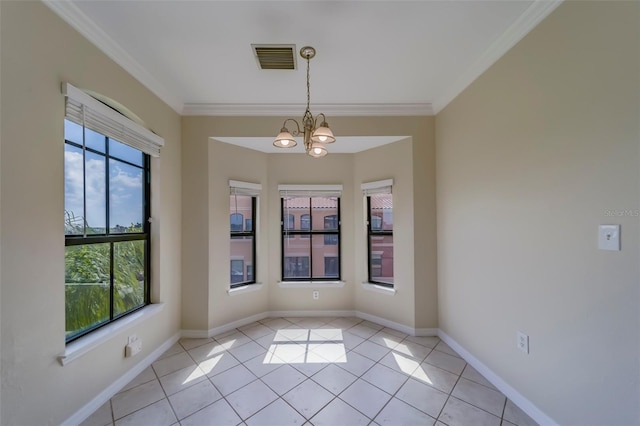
(242, 225)
(107, 211)
(310, 233)
(380, 232)
(107, 205)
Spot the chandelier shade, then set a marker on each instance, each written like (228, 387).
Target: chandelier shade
(285, 139)
(314, 137)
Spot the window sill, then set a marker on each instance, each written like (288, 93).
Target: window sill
(379, 288)
(83, 345)
(310, 284)
(244, 289)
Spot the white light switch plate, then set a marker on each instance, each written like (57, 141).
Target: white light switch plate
(609, 237)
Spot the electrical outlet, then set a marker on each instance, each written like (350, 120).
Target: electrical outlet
(522, 342)
(316, 295)
(133, 348)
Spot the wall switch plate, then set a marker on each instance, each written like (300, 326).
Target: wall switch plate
(522, 342)
(609, 237)
(316, 295)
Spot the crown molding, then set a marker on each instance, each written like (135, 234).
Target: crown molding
(78, 20)
(335, 110)
(526, 22)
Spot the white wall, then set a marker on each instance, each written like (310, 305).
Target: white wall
(530, 158)
(38, 52)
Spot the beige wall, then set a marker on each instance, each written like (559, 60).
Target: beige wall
(392, 161)
(231, 162)
(39, 51)
(530, 158)
(302, 169)
(206, 271)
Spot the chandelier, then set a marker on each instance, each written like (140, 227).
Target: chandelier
(315, 137)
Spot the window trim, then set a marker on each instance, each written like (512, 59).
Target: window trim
(110, 119)
(253, 190)
(112, 238)
(369, 189)
(309, 191)
(244, 233)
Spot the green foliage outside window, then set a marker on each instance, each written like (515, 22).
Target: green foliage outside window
(87, 278)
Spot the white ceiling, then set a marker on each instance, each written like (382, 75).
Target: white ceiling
(345, 144)
(373, 57)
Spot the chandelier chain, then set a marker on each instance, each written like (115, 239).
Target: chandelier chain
(308, 85)
(314, 137)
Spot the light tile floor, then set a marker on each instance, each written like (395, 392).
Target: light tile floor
(311, 371)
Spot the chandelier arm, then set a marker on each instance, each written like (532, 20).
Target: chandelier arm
(315, 122)
(295, 132)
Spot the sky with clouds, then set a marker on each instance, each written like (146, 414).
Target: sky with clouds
(125, 195)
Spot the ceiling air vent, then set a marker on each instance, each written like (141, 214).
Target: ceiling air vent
(275, 56)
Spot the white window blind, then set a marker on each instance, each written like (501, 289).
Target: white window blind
(378, 187)
(237, 187)
(85, 110)
(310, 190)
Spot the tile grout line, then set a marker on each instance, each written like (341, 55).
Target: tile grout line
(293, 324)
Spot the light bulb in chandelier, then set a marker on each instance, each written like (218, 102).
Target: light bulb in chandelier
(284, 139)
(323, 134)
(317, 150)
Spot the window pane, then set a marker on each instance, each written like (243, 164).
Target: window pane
(321, 252)
(325, 213)
(236, 222)
(94, 140)
(86, 287)
(294, 208)
(96, 193)
(237, 271)
(126, 197)
(250, 276)
(241, 251)
(296, 267)
(382, 258)
(331, 222)
(128, 276)
(376, 223)
(73, 191)
(241, 210)
(305, 222)
(382, 207)
(72, 132)
(331, 267)
(125, 152)
(289, 221)
(296, 258)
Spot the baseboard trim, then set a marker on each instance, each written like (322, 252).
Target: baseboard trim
(387, 323)
(277, 314)
(426, 332)
(518, 399)
(104, 396)
(194, 334)
(235, 324)
(203, 334)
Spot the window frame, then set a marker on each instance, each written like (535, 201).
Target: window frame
(242, 234)
(376, 232)
(307, 235)
(111, 237)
